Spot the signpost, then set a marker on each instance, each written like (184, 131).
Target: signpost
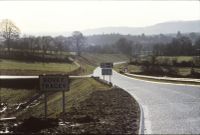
(106, 65)
(54, 83)
(106, 69)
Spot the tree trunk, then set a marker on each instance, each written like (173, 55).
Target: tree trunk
(8, 45)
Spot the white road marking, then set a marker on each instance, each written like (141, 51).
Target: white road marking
(147, 122)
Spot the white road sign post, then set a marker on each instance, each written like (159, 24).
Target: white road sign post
(54, 83)
(106, 69)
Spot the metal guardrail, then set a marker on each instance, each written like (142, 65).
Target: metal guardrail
(8, 119)
(36, 77)
(26, 82)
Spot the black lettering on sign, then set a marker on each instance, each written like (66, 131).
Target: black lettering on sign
(53, 82)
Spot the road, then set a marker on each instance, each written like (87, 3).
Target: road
(167, 108)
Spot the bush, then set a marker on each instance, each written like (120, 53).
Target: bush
(164, 62)
(185, 64)
(152, 70)
(194, 73)
(174, 61)
(171, 71)
(196, 61)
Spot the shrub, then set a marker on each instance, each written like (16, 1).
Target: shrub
(194, 73)
(196, 61)
(171, 71)
(184, 64)
(152, 70)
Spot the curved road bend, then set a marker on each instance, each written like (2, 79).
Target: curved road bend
(168, 108)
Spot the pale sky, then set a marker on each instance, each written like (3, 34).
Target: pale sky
(65, 16)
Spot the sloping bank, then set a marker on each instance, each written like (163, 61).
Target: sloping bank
(92, 107)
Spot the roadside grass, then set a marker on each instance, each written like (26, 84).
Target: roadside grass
(27, 68)
(12, 96)
(80, 90)
(86, 66)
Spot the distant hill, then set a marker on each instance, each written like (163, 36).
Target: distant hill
(164, 28)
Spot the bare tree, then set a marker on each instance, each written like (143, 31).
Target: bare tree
(32, 44)
(125, 47)
(78, 39)
(59, 42)
(9, 31)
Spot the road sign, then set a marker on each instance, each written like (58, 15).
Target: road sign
(106, 65)
(106, 71)
(54, 82)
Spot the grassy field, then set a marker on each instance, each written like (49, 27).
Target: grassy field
(36, 67)
(98, 58)
(179, 58)
(87, 61)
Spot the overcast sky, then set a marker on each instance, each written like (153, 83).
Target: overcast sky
(61, 16)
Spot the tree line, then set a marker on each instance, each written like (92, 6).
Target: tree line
(179, 46)
(132, 46)
(13, 44)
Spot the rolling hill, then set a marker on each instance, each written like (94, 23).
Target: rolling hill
(164, 28)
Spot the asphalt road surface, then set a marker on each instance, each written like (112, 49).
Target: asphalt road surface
(168, 108)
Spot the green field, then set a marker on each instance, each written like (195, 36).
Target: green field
(15, 67)
(98, 58)
(179, 58)
(87, 61)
